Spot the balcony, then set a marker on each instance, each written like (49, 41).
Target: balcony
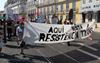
(57, 1)
(52, 11)
(48, 11)
(74, 9)
(61, 10)
(56, 11)
(40, 12)
(14, 4)
(66, 10)
(22, 10)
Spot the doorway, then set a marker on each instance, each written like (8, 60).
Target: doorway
(83, 17)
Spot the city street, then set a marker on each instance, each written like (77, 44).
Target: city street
(80, 51)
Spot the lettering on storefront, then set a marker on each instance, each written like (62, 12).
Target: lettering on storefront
(91, 6)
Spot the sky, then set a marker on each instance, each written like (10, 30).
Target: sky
(2, 3)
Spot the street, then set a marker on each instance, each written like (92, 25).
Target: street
(80, 51)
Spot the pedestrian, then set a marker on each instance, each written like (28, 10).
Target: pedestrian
(1, 37)
(54, 19)
(13, 28)
(20, 35)
(17, 26)
(59, 22)
(9, 28)
(68, 43)
(65, 22)
(90, 37)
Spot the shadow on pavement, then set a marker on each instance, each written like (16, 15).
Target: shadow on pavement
(76, 45)
(27, 46)
(13, 59)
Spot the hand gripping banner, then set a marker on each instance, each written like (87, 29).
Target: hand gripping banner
(54, 33)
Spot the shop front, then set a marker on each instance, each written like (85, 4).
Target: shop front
(91, 11)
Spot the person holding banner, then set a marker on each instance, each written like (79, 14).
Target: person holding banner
(54, 20)
(59, 22)
(90, 37)
(68, 43)
(1, 37)
(20, 35)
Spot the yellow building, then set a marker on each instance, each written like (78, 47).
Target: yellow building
(63, 7)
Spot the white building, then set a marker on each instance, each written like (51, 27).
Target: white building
(18, 6)
(90, 9)
(31, 10)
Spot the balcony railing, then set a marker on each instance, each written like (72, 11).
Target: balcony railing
(56, 11)
(52, 11)
(62, 10)
(74, 9)
(13, 4)
(48, 11)
(66, 10)
(40, 12)
(22, 10)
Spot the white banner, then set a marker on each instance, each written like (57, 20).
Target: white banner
(54, 33)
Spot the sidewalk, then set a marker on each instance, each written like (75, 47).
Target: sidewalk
(97, 30)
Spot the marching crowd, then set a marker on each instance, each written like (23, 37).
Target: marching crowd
(16, 28)
(13, 29)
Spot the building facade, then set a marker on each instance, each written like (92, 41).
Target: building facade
(18, 6)
(60, 8)
(46, 7)
(90, 9)
(63, 7)
(31, 10)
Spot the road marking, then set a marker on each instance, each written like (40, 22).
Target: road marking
(42, 54)
(88, 46)
(63, 54)
(89, 54)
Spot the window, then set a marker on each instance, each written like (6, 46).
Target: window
(37, 2)
(74, 19)
(57, 0)
(61, 17)
(74, 4)
(48, 10)
(61, 7)
(57, 8)
(84, 1)
(67, 17)
(48, 1)
(52, 9)
(44, 10)
(90, 1)
(41, 2)
(67, 5)
(44, 1)
(41, 10)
